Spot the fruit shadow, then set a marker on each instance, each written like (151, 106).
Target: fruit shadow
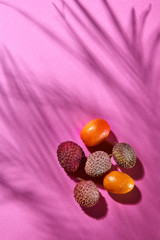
(106, 145)
(98, 211)
(131, 198)
(137, 172)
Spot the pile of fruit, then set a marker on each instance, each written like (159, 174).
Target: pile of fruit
(71, 156)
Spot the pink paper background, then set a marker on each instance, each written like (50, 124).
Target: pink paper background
(61, 66)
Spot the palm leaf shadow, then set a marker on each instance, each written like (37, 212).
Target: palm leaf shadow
(34, 151)
(40, 136)
(88, 55)
(39, 139)
(105, 75)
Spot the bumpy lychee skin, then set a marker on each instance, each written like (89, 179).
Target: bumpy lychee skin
(70, 156)
(97, 164)
(86, 193)
(124, 155)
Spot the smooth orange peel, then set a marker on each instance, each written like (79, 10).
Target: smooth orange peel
(94, 132)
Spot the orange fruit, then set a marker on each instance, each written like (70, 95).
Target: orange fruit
(118, 182)
(94, 132)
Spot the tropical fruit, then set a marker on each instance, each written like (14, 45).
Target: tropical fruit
(70, 156)
(118, 182)
(97, 164)
(94, 132)
(124, 155)
(86, 193)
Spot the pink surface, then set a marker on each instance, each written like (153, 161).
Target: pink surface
(61, 66)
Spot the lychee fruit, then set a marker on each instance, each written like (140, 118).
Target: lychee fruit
(97, 164)
(70, 156)
(86, 193)
(124, 155)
